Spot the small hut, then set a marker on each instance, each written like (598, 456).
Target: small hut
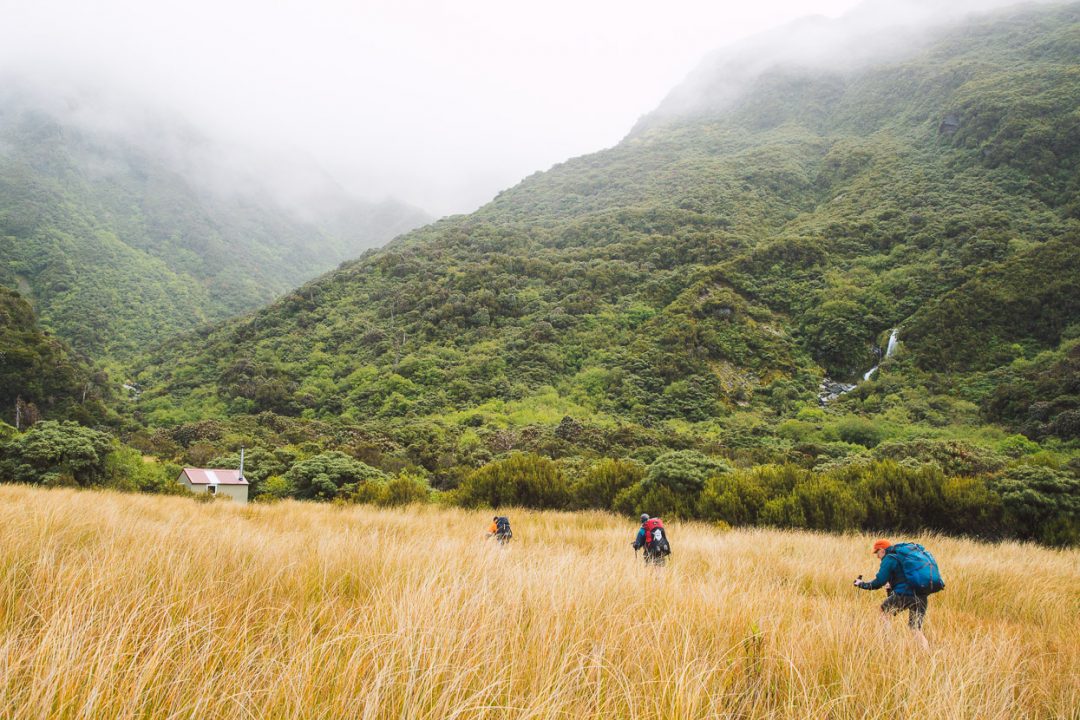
(216, 482)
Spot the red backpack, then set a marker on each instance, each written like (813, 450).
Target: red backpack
(656, 537)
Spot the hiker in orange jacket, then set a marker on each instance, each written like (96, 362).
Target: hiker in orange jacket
(500, 529)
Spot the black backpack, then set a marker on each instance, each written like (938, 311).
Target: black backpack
(502, 528)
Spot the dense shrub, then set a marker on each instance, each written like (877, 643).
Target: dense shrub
(897, 496)
(275, 488)
(970, 508)
(656, 500)
(737, 498)
(1040, 503)
(53, 453)
(954, 457)
(829, 504)
(860, 431)
(684, 471)
(783, 511)
(330, 475)
(402, 489)
(601, 483)
(406, 489)
(126, 469)
(56, 453)
(522, 479)
(672, 484)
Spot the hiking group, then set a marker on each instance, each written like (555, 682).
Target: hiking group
(908, 572)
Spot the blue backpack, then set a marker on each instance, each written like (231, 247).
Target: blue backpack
(920, 568)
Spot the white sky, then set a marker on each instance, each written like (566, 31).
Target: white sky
(441, 104)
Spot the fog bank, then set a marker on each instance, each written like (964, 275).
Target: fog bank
(438, 104)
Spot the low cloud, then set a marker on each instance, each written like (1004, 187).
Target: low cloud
(438, 104)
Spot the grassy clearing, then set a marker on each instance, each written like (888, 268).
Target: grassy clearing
(136, 606)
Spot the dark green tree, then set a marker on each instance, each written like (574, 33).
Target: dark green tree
(56, 453)
(1040, 503)
(330, 475)
(523, 479)
(672, 484)
(601, 483)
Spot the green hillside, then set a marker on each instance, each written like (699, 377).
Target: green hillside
(118, 246)
(707, 263)
(660, 326)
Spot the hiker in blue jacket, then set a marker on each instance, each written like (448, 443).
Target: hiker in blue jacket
(639, 541)
(655, 546)
(901, 596)
(642, 542)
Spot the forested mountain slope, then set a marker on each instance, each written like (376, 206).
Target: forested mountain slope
(711, 263)
(119, 241)
(39, 376)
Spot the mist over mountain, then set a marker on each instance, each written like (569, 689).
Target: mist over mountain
(122, 224)
(872, 33)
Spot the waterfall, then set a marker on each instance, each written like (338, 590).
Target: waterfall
(892, 343)
(888, 351)
(830, 389)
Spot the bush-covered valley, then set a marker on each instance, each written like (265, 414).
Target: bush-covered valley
(647, 328)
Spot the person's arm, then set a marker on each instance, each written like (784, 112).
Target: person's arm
(640, 539)
(883, 574)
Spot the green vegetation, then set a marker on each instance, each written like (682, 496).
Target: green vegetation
(1041, 397)
(647, 328)
(67, 454)
(39, 376)
(329, 475)
(964, 490)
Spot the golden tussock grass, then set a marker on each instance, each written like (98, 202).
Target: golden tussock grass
(118, 606)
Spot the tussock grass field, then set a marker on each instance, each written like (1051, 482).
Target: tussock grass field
(121, 606)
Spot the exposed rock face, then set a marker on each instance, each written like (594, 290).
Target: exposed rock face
(831, 389)
(949, 125)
